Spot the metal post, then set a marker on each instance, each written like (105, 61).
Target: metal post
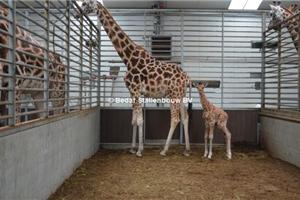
(46, 63)
(91, 61)
(67, 85)
(182, 64)
(298, 68)
(279, 70)
(12, 66)
(81, 61)
(144, 104)
(99, 64)
(99, 74)
(299, 82)
(27, 104)
(222, 63)
(263, 64)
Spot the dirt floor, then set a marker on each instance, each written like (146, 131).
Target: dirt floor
(116, 174)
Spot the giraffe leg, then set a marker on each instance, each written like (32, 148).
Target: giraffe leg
(134, 124)
(2, 96)
(18, 106)
(210, 137)
(140, 122)
(141, 140)
(39, 105)
(185, 121)
(175, 110)
(228, 142)
(137, 123)
(133, 144)
(1, 93)
(205, 141)
(58, 104)
(56, 93)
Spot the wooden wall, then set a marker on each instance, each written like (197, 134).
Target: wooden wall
(116, 126)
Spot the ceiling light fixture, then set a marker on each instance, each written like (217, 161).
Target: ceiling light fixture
(237, 4)
(252, 4)
(244, 4)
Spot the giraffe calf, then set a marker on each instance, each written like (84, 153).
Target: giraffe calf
(213, 117)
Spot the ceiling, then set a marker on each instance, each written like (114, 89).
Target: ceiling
(188, 4)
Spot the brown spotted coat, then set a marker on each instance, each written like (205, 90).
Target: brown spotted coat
(30, 68)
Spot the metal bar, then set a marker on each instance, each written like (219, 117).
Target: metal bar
(68, 33)
(12, 67)
(182, 64)
(279, 69)
(298, 50)
(81, 60)
(263, 64)
(222, 63)
(91, 62)
(46, 61)
(99, 61)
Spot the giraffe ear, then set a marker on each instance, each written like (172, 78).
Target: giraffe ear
(193, 84)
(205, 84)
(272, 7)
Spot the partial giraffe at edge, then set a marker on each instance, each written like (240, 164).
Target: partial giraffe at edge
(145, 76)
(28, 68)
(279, 14)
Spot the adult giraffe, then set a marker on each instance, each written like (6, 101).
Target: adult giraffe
(29, 69)
(145, 76)
(279, 15)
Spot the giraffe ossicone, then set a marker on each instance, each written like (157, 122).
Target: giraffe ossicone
(145, 76)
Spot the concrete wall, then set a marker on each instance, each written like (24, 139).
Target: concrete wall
(282, 139)
(35, 160)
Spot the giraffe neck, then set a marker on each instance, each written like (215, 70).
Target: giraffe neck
(127, 49)
(204, 101)
(294, 30)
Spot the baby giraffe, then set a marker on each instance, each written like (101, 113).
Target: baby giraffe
(213, 116)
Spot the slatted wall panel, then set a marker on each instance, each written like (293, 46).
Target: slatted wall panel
(207, 45)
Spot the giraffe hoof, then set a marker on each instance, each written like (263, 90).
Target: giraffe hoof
(228, 157)
(139, 154)
(186, 153)
(163, 153)
(132, 151)
(209, 157)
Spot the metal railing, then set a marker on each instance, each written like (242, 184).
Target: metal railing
(281, 68)
(48, 65)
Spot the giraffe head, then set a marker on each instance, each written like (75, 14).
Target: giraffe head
(200, 86)
(89, 6)
(276, 16)
(279, 14)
